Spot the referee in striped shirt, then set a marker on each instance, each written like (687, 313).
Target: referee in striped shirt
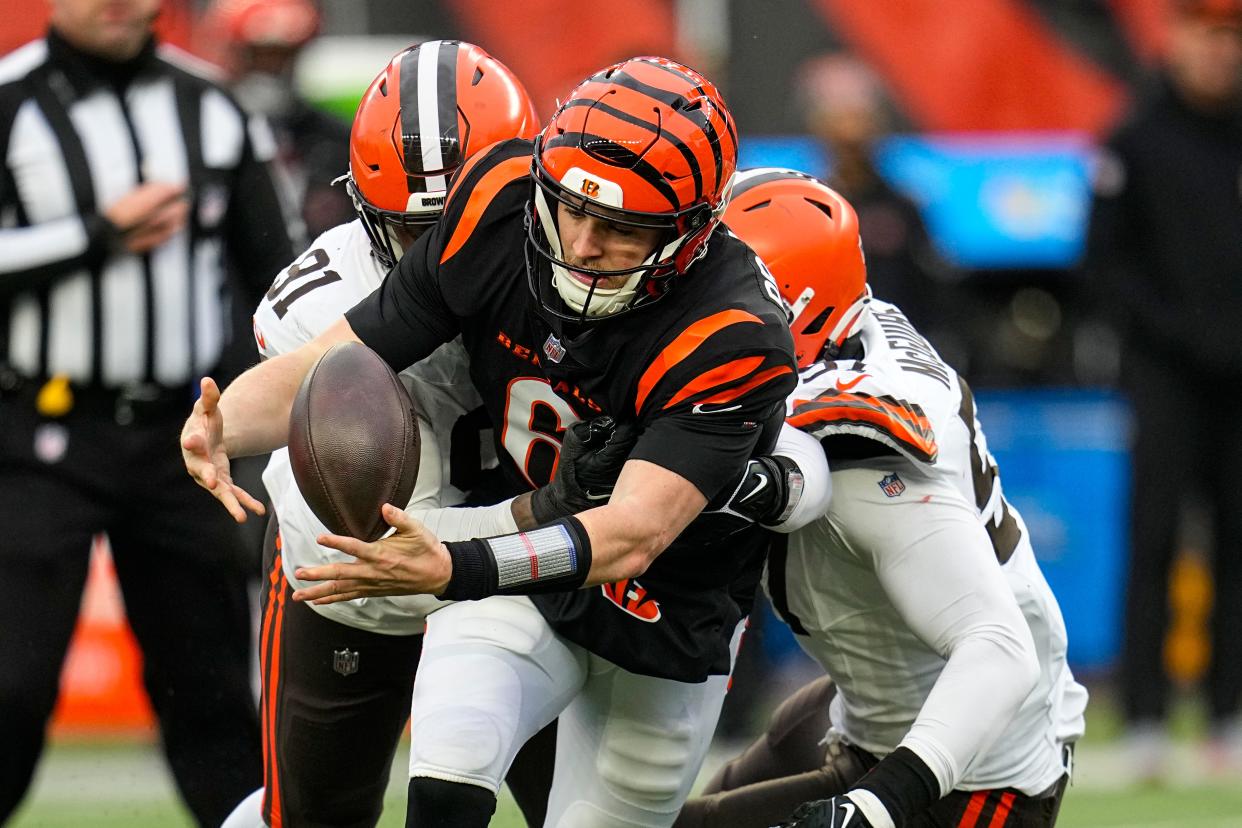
(129, 185)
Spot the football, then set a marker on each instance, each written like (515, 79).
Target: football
(353, 441)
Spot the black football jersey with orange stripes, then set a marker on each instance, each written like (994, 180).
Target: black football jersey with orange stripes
(704, 371)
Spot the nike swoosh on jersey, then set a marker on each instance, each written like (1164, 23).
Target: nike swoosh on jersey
(846, 386)
(698, 408)
(849, 814)
(763, 481)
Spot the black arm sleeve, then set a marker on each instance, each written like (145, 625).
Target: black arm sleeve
(710, 412)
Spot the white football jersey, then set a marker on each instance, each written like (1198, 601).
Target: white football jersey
(328, 279)
(879, 588)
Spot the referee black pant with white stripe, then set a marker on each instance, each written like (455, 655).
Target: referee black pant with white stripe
(111, 465)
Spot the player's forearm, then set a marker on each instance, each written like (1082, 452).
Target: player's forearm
(620, 548)
(649, 508)
(942, 576)
(982, 687)
(522, 513)
(646, 512)
(256, 405)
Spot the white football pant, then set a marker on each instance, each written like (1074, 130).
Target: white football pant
(493, 673)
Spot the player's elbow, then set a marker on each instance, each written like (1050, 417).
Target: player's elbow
(1014, 647)
(641, 554)
(646, 538)
(631, 565)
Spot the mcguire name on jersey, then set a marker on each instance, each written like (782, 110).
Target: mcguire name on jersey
(898, 426)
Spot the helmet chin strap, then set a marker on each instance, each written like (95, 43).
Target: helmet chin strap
(596, 301)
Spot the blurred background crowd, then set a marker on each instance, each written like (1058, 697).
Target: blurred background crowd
(1052, 189)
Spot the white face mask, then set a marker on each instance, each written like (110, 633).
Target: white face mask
(602, 301)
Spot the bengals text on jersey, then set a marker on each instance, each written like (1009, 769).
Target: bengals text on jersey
(704, 372)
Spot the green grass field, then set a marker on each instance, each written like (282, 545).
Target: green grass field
(124, 785)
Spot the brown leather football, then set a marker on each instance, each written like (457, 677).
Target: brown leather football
(353, 441)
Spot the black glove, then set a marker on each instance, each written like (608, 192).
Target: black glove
(592, 455)
(768, 491)
(838, 812)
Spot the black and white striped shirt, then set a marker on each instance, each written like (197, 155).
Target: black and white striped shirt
(77, 134)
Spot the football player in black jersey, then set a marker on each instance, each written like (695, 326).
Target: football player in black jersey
(586, 276)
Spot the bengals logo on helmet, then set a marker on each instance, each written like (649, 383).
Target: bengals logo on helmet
(590, 189)
(630, 596)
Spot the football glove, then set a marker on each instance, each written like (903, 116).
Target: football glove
(837, 812)
(768, 491)
(592, 455)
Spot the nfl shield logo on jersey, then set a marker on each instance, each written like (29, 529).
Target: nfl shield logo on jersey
(892, 485)
(553, 349)
(345, 661)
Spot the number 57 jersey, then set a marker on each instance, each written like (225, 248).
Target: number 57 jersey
(315, 291)
(919, 544)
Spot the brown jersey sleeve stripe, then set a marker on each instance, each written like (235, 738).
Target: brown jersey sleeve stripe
(915, 434)
(684, 345)
(876, 411)
(481, 195)
(910, 414)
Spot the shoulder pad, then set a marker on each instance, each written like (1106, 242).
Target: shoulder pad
(475, 188)
(843, 407)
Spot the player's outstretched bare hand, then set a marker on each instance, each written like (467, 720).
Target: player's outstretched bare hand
(202, 449)
(411, 561)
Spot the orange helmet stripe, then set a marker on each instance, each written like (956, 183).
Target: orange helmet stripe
(633, 101)
(618, 155)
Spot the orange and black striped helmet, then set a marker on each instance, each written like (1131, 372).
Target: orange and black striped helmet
(807, 235)
(648, 143)
(433, 106)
